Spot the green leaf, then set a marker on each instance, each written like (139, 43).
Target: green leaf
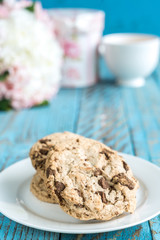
(31, 8)
(3, 76)
(5, 105)
(1, 1)
(44, 103)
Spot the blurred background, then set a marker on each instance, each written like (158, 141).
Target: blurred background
(137, 16)
(141, 16)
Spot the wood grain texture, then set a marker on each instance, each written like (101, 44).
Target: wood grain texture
(126, 119)
(103, 116)
(144, 121)
(19, 130)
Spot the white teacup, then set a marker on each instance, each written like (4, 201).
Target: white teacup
(130, 57)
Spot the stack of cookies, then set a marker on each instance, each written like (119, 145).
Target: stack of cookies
(86, 178)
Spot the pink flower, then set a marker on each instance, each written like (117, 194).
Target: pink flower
(41, 14)
(4, 11)
(7, 7)
(71, 49)
(22, 4)
(25, 85)
(18, 88)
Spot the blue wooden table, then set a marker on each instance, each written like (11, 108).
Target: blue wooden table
(126, 119)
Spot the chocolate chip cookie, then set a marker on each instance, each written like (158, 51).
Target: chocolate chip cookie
(38, 188)
(90, 180)
(40, 149)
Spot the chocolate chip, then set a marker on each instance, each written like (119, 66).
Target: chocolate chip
(111, 189)
(59, 187)
(51, 147)
(40, 164)
(123, 180)
(106, 153)
(79, 205)
(50, 171)
(125, 165)
(77, 140)
(41, 181)
(103, 196)
(44, 151)
(59, 197)
(79, 192)
(103, 183)
(44, 140)
(35, 155)
(97, 172)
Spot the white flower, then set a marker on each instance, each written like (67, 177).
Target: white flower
(32, 56)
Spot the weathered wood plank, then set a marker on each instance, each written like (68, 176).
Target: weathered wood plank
(106, 117)
(154, 224)
(119, 117)
(28, 126)
(134, 233)
(102, 118)
(144, 118)
(5, 228)
(135, 124)
(19, 130)
(151, 121)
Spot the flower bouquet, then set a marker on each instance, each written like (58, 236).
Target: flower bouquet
(30, 56)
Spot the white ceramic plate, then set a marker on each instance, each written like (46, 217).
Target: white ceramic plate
(18, 203)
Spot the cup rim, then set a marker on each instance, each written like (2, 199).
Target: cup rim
(128, 39)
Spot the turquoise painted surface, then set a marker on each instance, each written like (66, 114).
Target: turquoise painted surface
(121, 16)
(126, 119)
